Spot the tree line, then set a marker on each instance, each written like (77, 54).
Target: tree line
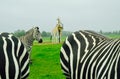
(19, 33)
(108, 33)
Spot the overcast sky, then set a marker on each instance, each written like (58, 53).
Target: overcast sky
(74, 14)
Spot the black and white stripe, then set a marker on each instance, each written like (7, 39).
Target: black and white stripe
(14, 60)
(30, 36)
(88, 55)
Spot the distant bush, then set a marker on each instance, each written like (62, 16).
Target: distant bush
(66, 33)
(19, 33)
(48, 34)
(114, 34)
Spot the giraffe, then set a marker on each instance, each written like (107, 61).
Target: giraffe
(57, 32)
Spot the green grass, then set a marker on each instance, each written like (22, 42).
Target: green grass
(114, 36)
(46, 62)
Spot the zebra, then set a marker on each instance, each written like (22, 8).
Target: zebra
(57, 32)
(30, 36)
(89, 55)
(14, 58)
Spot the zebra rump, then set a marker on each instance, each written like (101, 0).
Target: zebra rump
(14, 60)
(89, 55)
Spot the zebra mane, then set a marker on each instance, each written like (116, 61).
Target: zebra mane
(30, 31)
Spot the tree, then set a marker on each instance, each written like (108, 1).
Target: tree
(19, 33)
(46, 34)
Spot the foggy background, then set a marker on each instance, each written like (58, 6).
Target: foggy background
(74, 14)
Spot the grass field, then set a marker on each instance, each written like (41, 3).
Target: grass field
(46, 62)
(114, 36)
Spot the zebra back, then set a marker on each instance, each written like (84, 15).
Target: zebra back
(96, 34)
(14, 60)
(83, 56)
